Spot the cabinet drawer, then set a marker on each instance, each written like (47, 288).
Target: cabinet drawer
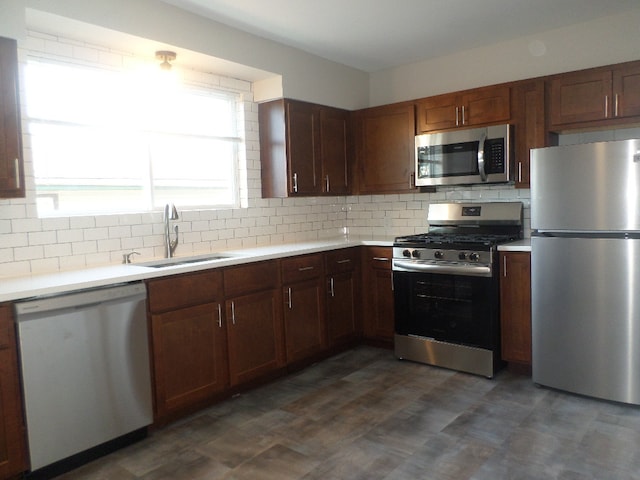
(184, 290)
(379, 257)
(251, 278)
(301, 268)
(343, 260)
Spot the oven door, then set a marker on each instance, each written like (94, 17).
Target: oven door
(449, 308)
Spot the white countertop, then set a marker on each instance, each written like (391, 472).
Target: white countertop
(17, 288)
(523, 245)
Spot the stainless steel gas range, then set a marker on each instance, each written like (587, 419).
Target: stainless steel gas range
(446, 286)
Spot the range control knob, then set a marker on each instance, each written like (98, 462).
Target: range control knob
(462, 255)
(406, 253)
(439, 254)
(415, 254)
(474, 257)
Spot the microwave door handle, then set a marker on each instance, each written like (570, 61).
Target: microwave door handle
(483, 175)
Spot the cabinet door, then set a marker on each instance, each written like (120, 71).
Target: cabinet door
(334, 131)
(486, 105)
(190, 356)
(377, 288)
(580, 97)
(303, 148)
(439, 113)
(341, 308)
(11, 160)
(528, 100)
(626, 88)
(515, 306)
(385, 148)
(255, 338)
(304, 319)
(13, 457)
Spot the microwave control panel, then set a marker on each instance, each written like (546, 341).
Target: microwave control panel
(494, 155)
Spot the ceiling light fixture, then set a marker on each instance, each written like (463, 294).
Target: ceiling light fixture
(166, 56)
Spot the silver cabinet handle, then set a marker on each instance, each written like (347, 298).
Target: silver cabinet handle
(483, 138)
(615, 106)
(326, 181)
(295, 182)
(381, 259)
(346, 260)
(463, 119)
(333, 292)
(289, 301)
(457, 117)
(233, 313)
(17, 165)
(411, 179)
(304, 269)
(606, 106)
(219, 316)
(520, 171)
(504, 266)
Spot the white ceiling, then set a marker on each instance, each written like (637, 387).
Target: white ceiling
(373, 35)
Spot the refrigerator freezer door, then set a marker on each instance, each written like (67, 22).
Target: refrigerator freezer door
(589, 187)
(586, 316)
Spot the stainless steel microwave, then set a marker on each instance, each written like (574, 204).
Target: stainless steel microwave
(463, 157)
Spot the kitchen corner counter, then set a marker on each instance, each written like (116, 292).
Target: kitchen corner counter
(19, 288)
(523, 245)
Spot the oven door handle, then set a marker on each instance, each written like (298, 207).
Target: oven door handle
(467, 270)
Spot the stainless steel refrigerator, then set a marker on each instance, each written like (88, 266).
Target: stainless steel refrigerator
(585, 253)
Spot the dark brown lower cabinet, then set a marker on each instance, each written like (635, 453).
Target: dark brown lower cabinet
(254, 321)
(515, 307)
(13, 452)
(343, 296)
(304, 307)
(254, 332)
(377, 295)
(188, 340)
(190, 357)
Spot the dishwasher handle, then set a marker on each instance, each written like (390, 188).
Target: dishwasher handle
(25, 309)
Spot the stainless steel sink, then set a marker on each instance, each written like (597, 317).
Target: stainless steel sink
(172, 262)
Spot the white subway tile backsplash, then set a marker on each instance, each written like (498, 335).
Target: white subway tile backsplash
(42, 238)
(28, 253)
(82, 248)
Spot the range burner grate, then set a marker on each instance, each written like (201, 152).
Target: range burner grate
(461, 239)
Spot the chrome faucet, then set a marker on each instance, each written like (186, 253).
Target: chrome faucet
(170, 213)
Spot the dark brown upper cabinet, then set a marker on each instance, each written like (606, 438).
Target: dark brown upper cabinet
(11, 160)
(384, 140)
(597, 97)
(480, 106)
(303, 149)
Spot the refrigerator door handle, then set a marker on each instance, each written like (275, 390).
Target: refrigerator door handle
(483, 175)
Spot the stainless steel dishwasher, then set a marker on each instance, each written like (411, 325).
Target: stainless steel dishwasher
(85, 371)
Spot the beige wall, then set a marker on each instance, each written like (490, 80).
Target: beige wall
(304, 76)
(604, 41)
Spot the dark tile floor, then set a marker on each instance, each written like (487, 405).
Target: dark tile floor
(365, 415)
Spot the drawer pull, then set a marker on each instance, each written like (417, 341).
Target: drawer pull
(219, 316)
(333, 292)
(304, 269)
(289, 302)
(346, 260)
(233, 313)
(381, 259)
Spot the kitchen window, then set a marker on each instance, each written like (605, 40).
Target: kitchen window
(109, 141)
